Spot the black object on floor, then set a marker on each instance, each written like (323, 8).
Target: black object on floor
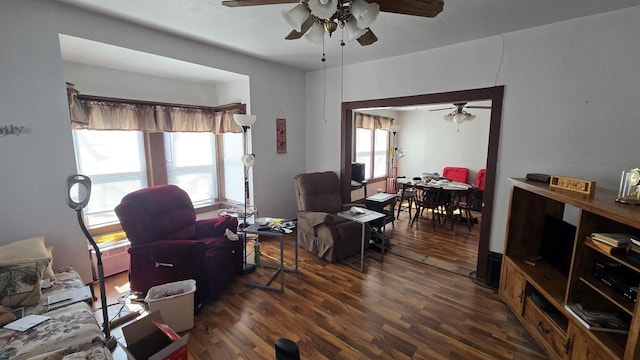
(287, 350)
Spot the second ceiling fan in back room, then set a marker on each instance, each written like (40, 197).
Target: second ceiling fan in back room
(317, 17)
(458, 115)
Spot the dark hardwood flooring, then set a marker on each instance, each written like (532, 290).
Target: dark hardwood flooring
(397, 309)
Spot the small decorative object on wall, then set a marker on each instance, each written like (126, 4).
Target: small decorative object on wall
(586, 187)
(281, 135)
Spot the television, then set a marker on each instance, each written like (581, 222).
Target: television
(357, 172)
(557, 243)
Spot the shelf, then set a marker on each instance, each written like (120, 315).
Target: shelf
(619, 300)
(546, 279)
(621, 258)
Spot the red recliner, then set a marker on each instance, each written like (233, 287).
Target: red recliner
(458, 174)
(168, 244)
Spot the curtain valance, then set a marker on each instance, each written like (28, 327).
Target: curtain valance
(98, 113)
(372, 122)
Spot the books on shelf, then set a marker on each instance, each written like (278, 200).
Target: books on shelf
(598, 320)
(605, 248)
(613, 239)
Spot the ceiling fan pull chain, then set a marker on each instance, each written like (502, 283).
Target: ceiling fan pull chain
(324, 75)
(342, 68)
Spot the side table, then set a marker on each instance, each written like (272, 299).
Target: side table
(364, 218)
(379, 202)
(281, 269)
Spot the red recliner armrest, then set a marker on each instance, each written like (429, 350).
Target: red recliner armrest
(215, 227)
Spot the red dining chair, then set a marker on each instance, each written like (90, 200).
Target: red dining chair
(481, 178)
(459, 174)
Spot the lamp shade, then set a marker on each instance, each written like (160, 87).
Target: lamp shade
(244, 120)
(316, 34)
(324, 9)
(296, 16)
(353, 31)
(364, 12)
(394, 128)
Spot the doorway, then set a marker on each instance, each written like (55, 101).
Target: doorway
(494, 94)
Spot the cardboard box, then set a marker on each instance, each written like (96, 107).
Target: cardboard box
(149, 338)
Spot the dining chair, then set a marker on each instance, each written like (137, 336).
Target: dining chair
(406, 194)
(430, 199)
(464, 203)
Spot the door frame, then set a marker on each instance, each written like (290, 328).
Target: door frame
(494, 94)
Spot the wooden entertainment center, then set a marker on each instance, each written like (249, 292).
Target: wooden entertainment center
(527, 278)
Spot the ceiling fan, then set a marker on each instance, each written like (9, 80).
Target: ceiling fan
(458, 115)
(317, 17)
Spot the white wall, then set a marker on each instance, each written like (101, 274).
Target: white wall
(34, 166)
(570, 104)
(101, 81)
(430, 143)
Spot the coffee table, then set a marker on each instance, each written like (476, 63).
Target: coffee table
(364, 218)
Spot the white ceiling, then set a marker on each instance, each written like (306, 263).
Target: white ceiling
(260, 30)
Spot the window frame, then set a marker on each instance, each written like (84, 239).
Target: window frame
(372, 152)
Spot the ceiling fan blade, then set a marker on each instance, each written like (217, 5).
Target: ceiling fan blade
(368, 38)
(447, 108)
(306, 25)
(236, 3)
(424, 8)
(478, 107)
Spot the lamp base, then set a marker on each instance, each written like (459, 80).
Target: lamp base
(248, 269)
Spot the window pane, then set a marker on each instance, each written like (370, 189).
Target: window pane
(233, 169)
(191, 164)
(380, 155)
(114, 160)
(363, 150)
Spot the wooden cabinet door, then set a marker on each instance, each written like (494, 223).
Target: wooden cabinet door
(581, 347)
(512, 286)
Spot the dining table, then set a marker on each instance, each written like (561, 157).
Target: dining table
(451, 193)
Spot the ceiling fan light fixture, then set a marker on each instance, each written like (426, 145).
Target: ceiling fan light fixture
(315, 34)
(459, 117)
(323, 9)
(364, 12)
(353, 31)
(296, 16)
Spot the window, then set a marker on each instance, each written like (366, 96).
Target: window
(116, 163)
(372, 149)
(191, 164)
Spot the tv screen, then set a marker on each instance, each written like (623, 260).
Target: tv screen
(357, 172)
(557, 243)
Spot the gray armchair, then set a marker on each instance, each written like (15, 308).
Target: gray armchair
(321, 231)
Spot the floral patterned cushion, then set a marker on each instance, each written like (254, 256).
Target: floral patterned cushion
(73, 328)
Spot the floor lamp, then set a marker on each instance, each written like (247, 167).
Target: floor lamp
(78, 193)
(248, 160)
(393, 171)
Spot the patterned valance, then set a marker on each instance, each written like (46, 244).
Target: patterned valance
(372, 122)
(99, 113)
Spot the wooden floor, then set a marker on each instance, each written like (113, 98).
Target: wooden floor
(398, 309)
